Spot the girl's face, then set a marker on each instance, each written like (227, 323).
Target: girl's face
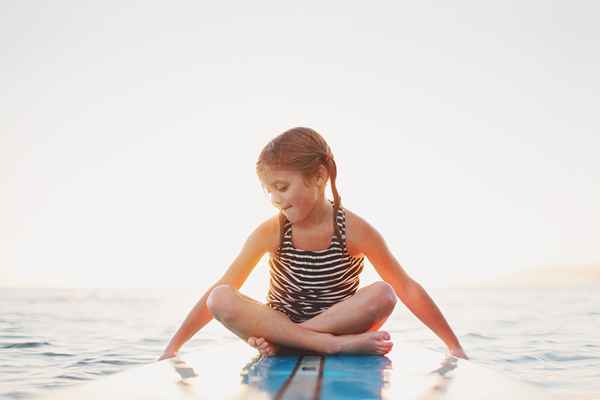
(291, 193)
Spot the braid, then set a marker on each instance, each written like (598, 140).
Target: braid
(337, 201)
(282, 222)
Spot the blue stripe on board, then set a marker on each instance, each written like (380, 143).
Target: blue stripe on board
(352, 377)
(304, 382)
(344, 377)
(270, 373)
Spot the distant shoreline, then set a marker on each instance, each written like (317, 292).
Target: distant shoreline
(567, 277)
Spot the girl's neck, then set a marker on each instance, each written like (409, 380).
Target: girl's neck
(321, 212)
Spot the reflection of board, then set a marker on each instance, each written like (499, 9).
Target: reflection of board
(235, 372)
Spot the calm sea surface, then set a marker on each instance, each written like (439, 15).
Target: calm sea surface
(51, 338)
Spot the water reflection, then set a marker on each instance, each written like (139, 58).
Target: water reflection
(183, 369)
(441, 380)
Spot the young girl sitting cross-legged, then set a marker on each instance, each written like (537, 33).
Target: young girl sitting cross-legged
(317, 249)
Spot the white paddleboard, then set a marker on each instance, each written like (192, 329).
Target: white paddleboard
(235, 371)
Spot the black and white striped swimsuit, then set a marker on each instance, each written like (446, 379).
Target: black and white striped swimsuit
(305, 283)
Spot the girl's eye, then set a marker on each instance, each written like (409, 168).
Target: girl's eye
(279, 189)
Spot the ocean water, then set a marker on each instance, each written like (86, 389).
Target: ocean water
(53, 338)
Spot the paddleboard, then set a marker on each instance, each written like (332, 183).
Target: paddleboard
(235, 371)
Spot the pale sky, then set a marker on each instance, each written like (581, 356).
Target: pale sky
(468, 135)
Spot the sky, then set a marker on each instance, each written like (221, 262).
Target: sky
(468, 135)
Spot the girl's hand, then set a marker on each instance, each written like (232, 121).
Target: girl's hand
(458, 352)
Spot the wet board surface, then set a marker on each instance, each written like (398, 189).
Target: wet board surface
(234, 371)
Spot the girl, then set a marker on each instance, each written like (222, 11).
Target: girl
(317, 249)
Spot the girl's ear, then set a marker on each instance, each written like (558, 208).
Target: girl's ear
(322, 175)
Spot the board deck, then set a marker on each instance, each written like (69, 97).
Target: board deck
(234, 371)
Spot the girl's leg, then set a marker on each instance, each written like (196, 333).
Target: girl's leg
(246, 317)
(366, 310)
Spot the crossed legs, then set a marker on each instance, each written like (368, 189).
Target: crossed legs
(347, 327)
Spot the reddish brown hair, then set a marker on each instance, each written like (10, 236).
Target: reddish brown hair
(302, 150)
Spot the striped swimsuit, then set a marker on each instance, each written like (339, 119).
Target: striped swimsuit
(305, 283)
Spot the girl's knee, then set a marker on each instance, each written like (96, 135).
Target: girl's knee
(384, 297)
(221, 302)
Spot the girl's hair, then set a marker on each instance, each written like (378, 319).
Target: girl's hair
(302, 150)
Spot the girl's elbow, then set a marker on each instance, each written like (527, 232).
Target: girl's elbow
(407, 290)
(409, 285)
(413, 289)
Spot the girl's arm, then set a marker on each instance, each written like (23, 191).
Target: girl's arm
(257, 244)
(411, 293)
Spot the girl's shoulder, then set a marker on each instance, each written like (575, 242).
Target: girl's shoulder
(358, 230)
(269, 231)
(362, 237)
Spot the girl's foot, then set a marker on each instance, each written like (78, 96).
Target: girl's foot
(265, 348)
(365, 343)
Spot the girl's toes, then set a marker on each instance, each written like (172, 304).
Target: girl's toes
(252, 341)
(386, 348)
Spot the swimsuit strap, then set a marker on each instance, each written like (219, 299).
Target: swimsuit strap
(340, 220)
